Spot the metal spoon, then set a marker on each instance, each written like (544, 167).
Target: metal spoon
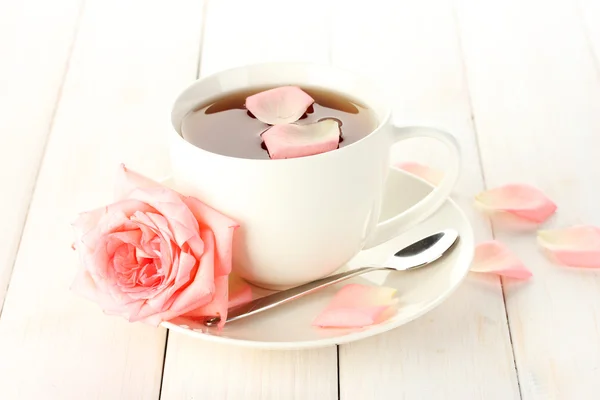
(422, 252)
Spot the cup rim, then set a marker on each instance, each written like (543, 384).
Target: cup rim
(176, 120)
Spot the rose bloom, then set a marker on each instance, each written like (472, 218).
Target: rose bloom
(154, 254)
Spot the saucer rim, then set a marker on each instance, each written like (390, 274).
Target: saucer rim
(468, 238)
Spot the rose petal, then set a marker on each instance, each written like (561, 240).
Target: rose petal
(290, 141)
(240, 291)
(222, 227)
(429, 174)
(199, 292)
(355, 295)
(129, 237)
(152, 226)
(510, 222)
(577, 246)
(349, 317)
(230, 292)
(84, 285)
(355, 306)
(282, 105)
(94, 289)
(128, 180)
(521, 200)
(495, 258)
(90, 225)
(218, 306)
(168, 203)
(150, 257)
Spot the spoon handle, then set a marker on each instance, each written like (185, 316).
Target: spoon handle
(284, 296)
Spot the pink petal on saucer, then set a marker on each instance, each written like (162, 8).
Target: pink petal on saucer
(355, 306)
(429, 174)
(349, 317)
(291, 141)
(577, 246)
(495, 258)
(524, 201)
(282, 105)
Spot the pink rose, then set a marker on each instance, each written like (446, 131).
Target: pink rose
(154, 254)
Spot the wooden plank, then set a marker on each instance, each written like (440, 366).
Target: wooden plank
(129, 62)
(195, 370)
(241, 32)
(461, 350)
(589, 13)
(35, 44)
(536, 97)
(279, 31)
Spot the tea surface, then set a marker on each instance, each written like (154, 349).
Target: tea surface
(226, 127)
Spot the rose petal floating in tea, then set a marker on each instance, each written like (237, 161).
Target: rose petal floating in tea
(355, 306)
(290, 141)
(524, 201)
(494, 257)
(429, 174)
(282, 105)
(577, 246)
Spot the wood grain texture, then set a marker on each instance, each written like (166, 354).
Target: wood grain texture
(536, 98)
(461, 350)
(129, 61)
(531, 71)
(241, 32)
(198, 370)
(589, 15)
(35, 44)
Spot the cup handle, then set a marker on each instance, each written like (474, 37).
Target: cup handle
(392, 227)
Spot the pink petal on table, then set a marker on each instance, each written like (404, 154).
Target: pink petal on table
(577, 246)
(495, 258)
(521, 200)
(282, 105)
(291, 141)
(511, 222)
(355, 306)
(431, 175)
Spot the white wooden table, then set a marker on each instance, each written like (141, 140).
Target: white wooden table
(87, 84)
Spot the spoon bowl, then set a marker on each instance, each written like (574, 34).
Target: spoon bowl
(423, 252)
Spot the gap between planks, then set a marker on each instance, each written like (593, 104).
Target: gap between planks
(12, 256)
(484, 183)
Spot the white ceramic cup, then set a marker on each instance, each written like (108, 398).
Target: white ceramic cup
(302, 218)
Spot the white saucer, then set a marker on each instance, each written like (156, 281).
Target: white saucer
(419, 291)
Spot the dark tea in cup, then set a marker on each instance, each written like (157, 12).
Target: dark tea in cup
(225, 126)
